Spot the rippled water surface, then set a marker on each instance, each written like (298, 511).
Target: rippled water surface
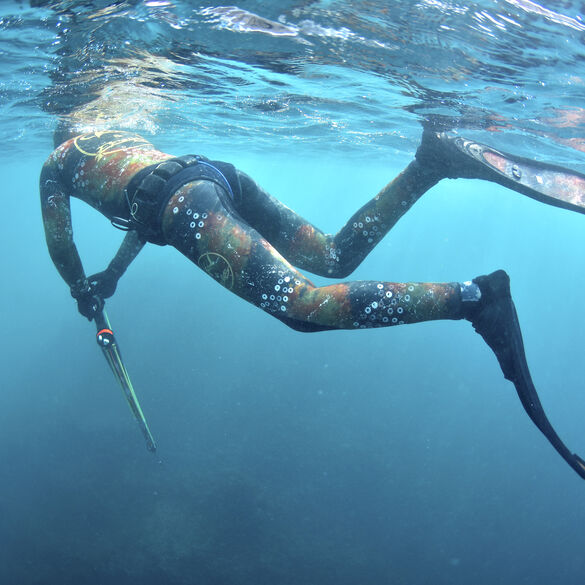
(400, 456)
(321, 75)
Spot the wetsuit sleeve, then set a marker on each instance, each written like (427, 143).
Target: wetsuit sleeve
(131, 246)
(56, 212)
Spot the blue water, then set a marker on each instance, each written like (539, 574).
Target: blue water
(396, 456)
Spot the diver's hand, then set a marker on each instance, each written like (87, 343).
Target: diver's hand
(89, 304)
(103, 284)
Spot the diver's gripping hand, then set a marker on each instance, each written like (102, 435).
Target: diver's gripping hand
(103, 284)
(89, 304)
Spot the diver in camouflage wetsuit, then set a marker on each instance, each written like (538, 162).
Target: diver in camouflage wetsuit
(248, 241)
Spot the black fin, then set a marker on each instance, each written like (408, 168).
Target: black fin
(456, 157)
(496, 320)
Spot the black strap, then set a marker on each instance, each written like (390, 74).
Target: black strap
(151, 188)
(202, 170)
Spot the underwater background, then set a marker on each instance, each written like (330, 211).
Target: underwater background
(396, 455)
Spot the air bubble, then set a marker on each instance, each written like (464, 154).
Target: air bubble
(192, 225)
(175, 210)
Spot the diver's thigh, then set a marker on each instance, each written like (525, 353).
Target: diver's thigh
(201, 226)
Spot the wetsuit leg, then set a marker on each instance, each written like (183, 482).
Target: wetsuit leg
(337, 255)
(201, 223)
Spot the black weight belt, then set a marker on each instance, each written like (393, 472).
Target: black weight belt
(150, 189)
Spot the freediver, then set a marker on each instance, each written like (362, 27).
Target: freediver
(225, 223)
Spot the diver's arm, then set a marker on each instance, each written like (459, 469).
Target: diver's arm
(129, 249)
(103, 284)
(56, 212)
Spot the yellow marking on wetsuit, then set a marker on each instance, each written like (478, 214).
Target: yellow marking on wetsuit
(120, 141)
(217, 267)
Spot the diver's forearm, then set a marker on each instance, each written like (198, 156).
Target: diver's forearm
(56, 213)
(129, 249)
(68, 263)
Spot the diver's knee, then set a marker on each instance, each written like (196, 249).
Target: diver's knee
(302, 326)
(340, 270)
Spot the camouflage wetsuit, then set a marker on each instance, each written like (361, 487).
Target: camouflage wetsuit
(250, 243)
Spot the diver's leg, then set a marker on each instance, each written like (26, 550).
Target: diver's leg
(337, 255)
(200, 223)
(456, 157)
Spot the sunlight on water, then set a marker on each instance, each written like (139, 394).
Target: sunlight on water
(326, 75)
